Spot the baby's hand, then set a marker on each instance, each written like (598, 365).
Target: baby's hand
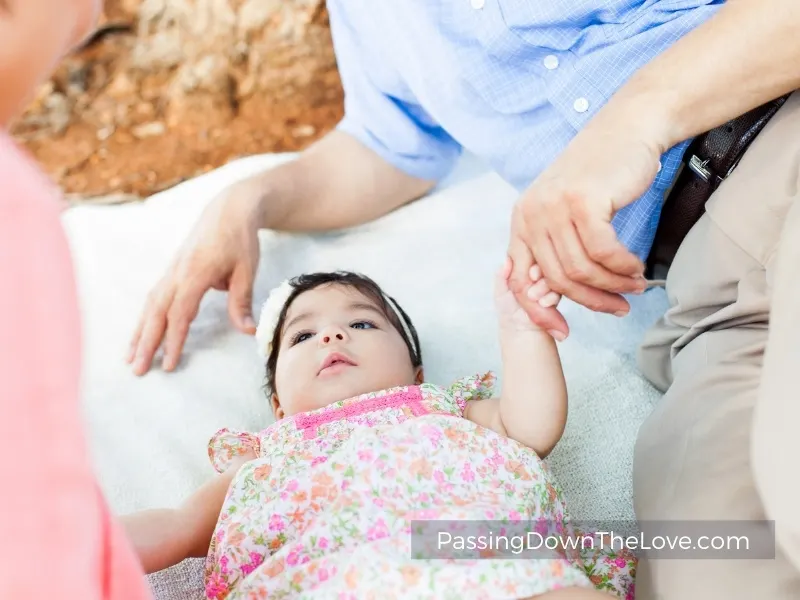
(540, 292)
(510, 314)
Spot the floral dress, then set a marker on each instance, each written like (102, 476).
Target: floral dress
(337, 503)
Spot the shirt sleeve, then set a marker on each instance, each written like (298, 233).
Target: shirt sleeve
(398, 130)
(226, 445)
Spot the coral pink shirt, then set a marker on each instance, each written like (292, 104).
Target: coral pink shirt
(60, 540)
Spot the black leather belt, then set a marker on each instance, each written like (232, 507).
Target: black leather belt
(708, 160)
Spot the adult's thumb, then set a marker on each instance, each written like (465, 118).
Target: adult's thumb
(240, 300)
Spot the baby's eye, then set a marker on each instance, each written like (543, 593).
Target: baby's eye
(301, 337)
(363, 325)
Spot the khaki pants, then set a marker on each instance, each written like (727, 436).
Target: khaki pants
(723, 442)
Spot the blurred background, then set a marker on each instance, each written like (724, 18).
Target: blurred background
(168, 89)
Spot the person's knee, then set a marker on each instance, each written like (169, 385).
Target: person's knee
(691, 456)
(653, 360)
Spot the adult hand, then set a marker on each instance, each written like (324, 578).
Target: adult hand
(561, 226)
(222, 253)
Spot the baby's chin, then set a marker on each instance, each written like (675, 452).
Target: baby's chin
(337, 390)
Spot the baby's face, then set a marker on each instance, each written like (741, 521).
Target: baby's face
(337, 344)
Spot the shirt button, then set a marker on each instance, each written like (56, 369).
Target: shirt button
(581, 105)
(477, 4)
(551, 61)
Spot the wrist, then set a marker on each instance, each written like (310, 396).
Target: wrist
(252, 199)
(272, 196)
(659, 110)
(649, 113)
(512, 338)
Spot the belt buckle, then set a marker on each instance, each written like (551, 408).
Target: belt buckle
(698, 166)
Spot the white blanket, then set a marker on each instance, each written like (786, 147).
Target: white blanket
(148, 435)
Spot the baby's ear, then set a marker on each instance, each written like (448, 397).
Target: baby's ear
(419, 377)
(277, 410)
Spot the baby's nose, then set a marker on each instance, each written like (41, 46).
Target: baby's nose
(331, 335)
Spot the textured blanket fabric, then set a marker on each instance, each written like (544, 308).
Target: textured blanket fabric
(148, 435)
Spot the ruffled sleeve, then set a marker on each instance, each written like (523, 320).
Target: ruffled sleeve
(474, 387)
(225, 445)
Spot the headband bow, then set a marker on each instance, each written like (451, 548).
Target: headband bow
(270, 313)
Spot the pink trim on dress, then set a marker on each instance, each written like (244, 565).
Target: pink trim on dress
(411, 397)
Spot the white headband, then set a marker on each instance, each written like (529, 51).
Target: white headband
(271, 312)
(406, 328)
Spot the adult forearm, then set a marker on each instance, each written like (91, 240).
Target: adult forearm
(335, 183)
(744, 56)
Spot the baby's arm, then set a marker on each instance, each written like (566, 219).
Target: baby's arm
(532, 408)
(164, 537)
(533, 402)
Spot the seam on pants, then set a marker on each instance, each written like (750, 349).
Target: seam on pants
(687, 439)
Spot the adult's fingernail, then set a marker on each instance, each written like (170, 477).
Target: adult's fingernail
(249, 323)
(557, 335)
(621, 313)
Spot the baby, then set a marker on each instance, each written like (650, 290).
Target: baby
(364, 451)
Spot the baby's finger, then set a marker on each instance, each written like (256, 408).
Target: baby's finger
(538, 290)
(549, 299)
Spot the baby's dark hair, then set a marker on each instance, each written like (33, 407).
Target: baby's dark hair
(361, 283)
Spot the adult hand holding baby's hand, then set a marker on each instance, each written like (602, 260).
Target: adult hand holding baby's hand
(563, 222)
(511, 315)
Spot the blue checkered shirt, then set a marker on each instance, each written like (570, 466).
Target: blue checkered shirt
(510, 81)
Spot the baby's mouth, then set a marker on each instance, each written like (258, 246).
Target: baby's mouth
(335, 363)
